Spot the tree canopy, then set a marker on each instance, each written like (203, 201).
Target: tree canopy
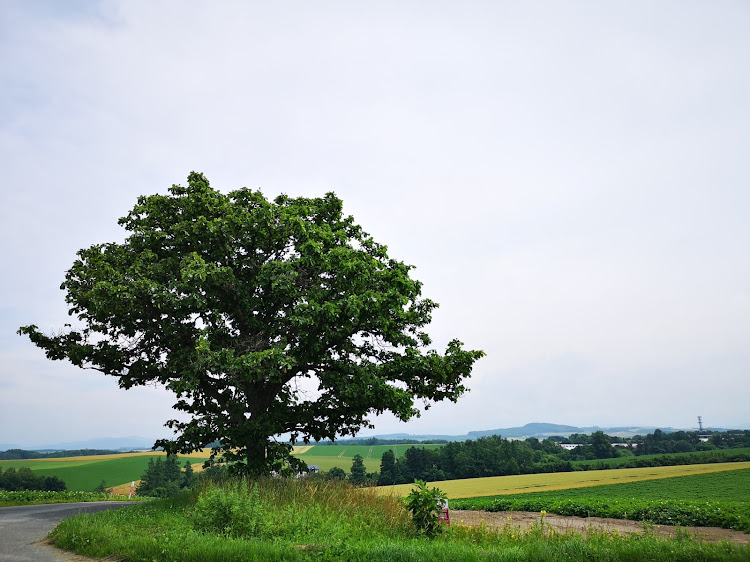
(265, 318)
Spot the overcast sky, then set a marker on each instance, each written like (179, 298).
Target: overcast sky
(570, 179)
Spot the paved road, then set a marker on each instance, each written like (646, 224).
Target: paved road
(24, 525)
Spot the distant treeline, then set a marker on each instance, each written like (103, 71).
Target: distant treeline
(495, 456)
(372, 441)
(487, 456)
(21, 454)
(659, 442)
(12, 480)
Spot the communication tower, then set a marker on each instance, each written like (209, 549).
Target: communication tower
(700, 424)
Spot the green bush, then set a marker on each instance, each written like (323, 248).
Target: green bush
(234, 509)
(425, 505)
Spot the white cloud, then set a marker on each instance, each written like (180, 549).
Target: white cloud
(568, 179)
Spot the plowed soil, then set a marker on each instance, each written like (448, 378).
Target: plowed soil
(525, 519)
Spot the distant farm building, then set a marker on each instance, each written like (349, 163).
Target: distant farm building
(571, 446)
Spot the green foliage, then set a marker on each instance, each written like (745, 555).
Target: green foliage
(336, 473)
(85, 474)
(335, 522)
(425, 505)
(24, 479)
(388, 473)
(299, 509)
(164, 478)
(358, 473)
(29, 497)
(495, 456)
(233, 509)
(601, 445)
(230, 300)
(671, 459)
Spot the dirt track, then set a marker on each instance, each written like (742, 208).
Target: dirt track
(524, 519)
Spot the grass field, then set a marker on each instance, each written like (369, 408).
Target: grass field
(715, 499)
(85, 473)
(328, 456)
(725, 486)
(309, 520)
(526, 483)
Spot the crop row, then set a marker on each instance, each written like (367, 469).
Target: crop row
(37, 497)
(728, 515)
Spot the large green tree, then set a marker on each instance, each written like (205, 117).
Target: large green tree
(265, 318)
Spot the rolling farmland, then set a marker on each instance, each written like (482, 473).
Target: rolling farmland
(711, 499)
(526, 483)
(328, 456)
(85, 473)
(724, 486)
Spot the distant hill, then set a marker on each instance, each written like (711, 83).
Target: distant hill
(538, 430)
(131, 443)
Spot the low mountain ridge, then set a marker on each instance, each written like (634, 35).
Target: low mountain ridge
(540, 430)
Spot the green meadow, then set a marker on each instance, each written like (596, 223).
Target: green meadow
(276, 519)
(85, 473)
(328, 456)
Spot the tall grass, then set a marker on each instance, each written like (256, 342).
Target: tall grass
(296, 509)
(308, 520)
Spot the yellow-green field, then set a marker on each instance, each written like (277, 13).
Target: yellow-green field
(84, 473)
(499, 485)
(328, 456)
(71, 461)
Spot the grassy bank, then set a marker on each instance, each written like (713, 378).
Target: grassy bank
(34, 497)
(304, 520)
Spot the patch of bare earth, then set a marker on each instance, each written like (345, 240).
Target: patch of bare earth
(525, 519)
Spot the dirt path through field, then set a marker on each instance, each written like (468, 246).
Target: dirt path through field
(525, 519)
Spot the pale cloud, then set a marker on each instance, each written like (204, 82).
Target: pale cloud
(568, 178)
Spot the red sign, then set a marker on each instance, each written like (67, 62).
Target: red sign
(445, 515)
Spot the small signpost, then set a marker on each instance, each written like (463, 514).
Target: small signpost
(445, 516)
(132, 489)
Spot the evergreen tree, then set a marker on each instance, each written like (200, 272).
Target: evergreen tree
(387, 469)
(165, 478)
(336, 473)
(358, 473)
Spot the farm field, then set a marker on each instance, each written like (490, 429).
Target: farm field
(623, 461)
(272, 521)
(526, 483)
(725, 486)
(716, 499)
(85, 473)
(328, 456)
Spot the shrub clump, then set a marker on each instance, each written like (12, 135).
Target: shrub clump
(425, 505)
(234, 509)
